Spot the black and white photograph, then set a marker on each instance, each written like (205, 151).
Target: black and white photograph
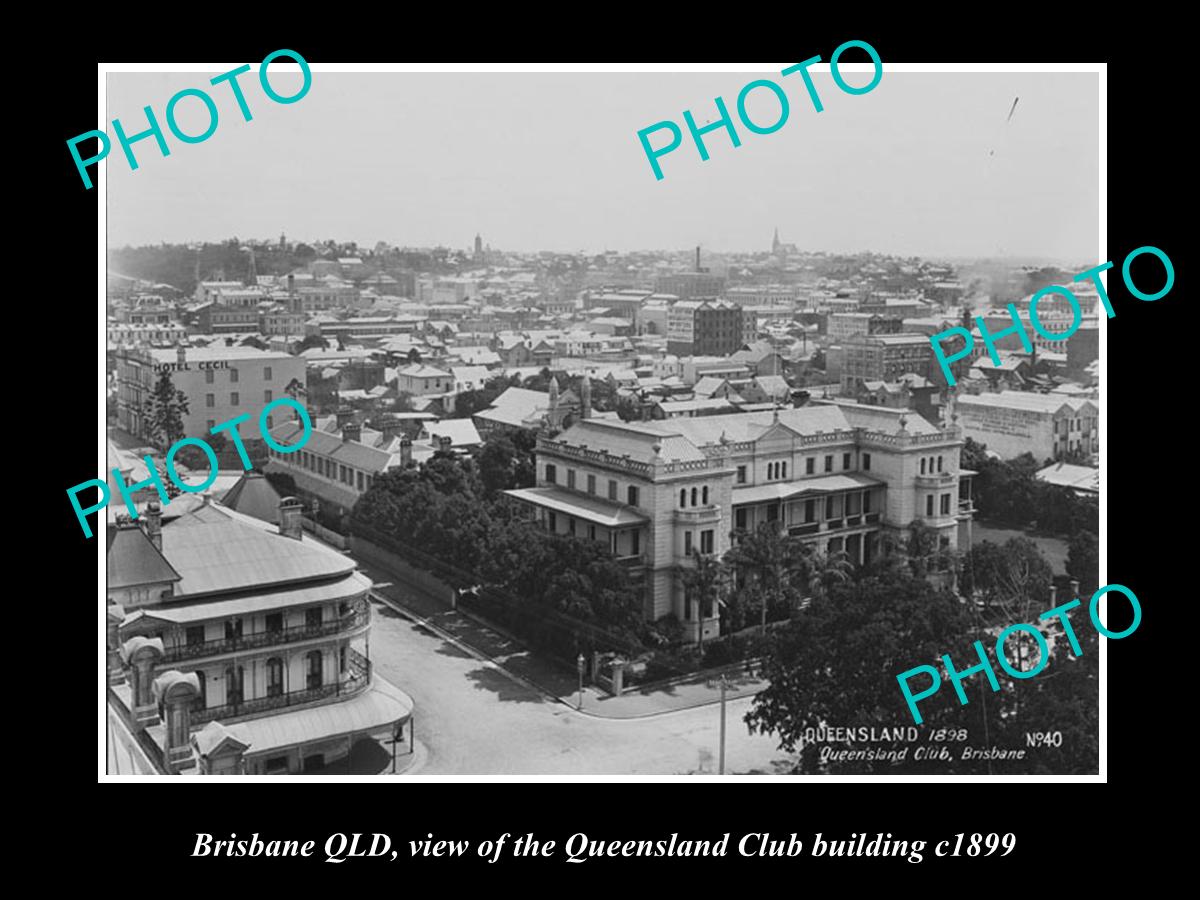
(665, 422)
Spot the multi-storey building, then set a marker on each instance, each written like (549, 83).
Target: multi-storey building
(885, 357)
(657, 492)
(704, 327)
(219, 383)
(846, 326)
(1015, 422)
(244, 633)
(690, 285)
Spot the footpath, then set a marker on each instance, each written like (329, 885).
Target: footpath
(549, 677)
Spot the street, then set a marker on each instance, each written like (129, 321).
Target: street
(473, 719)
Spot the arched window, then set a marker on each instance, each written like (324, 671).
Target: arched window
(704, 496)
(274, 677)
(314, 670)
(783, 471)
(693, 496)
(233, 685)
(922, 465)
(683, 498)
(202, 697)
(939, 464)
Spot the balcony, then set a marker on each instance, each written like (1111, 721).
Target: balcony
(634, 561)
(936, 480)
(701, 516)
(358, 616)
(833, 524)
(801, 530)
(871, 519)
(358, 669)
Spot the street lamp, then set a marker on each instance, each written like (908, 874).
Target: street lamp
(579, 665)
(721, 757)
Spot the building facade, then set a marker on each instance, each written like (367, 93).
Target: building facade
(219, 383)
(1049, 426)
(704, 328)
(217, 617)
(658, 492)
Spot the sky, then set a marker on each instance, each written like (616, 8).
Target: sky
(924, 164)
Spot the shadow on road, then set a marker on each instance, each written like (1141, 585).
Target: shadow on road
(505, 689)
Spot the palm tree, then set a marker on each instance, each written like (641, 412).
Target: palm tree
(826, 570)
(706, 583)
(775, 559)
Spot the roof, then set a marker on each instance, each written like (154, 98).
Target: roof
(132, 559)
(881, 418)
(784, 490)
(422, 371)
(218, 550)
(517, 407)
(675, 407)
(217, 351)
(343, 588)
(322, 443)
(462, 432)
(1081, 478)
(708, 385)
(635, 439)
(1048, 404)
(254, 496)
(589, 508)
(380, 706)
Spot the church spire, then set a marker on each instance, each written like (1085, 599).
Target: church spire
(775, 242)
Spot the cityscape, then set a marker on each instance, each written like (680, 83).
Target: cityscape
(605, 512)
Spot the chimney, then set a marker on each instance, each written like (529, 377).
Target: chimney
(352, 432)
(289, 518)
(390, 428)
(345, 416)
(153, 516)
(291, 283)
(585, 397)
(444, 444)
(1075, 587)
(698, 269)
(1053, 595)
(180, 354)
(405, 452)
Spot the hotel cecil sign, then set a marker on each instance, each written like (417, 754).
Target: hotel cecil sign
(187, 367)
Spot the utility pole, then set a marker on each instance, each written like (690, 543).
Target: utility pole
(721, 757)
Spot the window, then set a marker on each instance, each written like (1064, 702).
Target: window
(233, 685)
(233, 629)
(739, 518)
(866, 501)
(829, 463)
(313, 616)
(551, 474)
(571, 526)
(704, 495)
(784, 468)
(591, 532)
(866, 462)
(551, 522)
(275, 622)
(632, 498)
(706, 541)
(929, 505)
(612, 489)
(687, 543)
(266, 373)
(682, 498)
(359, 477)
(233, 376)
(274, 677)
(922, 465)
(591, 484)
(810, 511)
(314, 670)
(195, 635)
(829, 507)
(810, 465)
(945, 504)
(939, 464)
(571, 479)
(693, 496)
(234, 400)
(210, 400)
(209, 376)
(341, 473)
(741, 474)
(267, 396)
(270, 421)
(845, 461)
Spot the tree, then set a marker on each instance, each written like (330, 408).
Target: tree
(163, 412)
(312, 341)
(776, 561)
(704, 584)
(502, 466)
(1083, 561)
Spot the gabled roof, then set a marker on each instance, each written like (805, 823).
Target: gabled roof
(133, 560)
(253, 495)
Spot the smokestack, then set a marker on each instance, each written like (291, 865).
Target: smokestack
(153, 517)
(697, 259)
(289, 518)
